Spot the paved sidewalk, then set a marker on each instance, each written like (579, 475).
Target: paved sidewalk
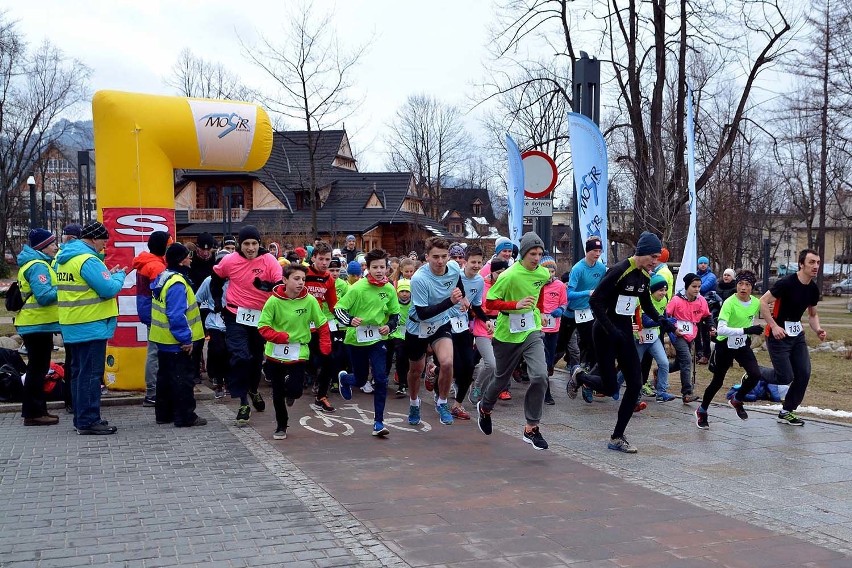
(741, 494)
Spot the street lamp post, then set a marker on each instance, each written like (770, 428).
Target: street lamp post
(32, 183)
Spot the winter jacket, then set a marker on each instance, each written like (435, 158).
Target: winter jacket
(708, 281)
(38, 277)
(148, 266)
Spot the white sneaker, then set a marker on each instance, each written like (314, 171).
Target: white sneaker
(367, 388)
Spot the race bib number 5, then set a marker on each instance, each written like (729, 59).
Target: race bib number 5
(793, 328)
(519, 323)
(248, 317)
(287, 351)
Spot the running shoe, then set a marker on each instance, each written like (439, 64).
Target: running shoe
(323, 405)
(701, 419)
(257, 401)
(505, 395)
(149, 402)
(665, 397)
(401, 392)
(380, 430)
(548, 399)
(573, 385)
(345, 390)
(640, 406)
(243, 415)
(483, 420)
(474, 395)
(789, 418)
(460, 413)
(443, 411)
(368, 388)
(738, 406)
(621, 444)
(535, 438)
(648, 390)
(219, 393)
(280, 434)
(413, 415)
(588, 394)
(687, 398)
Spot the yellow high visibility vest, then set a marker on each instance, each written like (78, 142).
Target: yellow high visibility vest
(160, 332)
(32, 313)
(78, 302)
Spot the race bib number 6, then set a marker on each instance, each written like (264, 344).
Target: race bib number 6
(248, 317)
(287, 351)
(519, 323)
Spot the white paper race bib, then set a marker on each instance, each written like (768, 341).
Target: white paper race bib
(286, 351)
(584, 315)
(367, 333)
(793, 328)
(649, 335)
(458, 324)
(626, 305)
(685, 327)
(736, 341)
(427, 329)
(519, 323)
(547, 321)
(248, 317)
(332, 325)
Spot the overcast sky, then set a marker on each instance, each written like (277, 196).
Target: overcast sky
(436, 47)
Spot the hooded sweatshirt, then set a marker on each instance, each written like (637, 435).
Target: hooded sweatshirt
(148, 266)
(287, 321)
(682, 309)
(98, 277)
(38, 277)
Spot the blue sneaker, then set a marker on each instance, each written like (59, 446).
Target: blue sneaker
(443, 411)
(345, 390)
(619, 380)
(413, 415)
(380, 430)
(588, 394)
(665, 397)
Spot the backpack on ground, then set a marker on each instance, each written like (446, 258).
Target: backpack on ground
(14, 299)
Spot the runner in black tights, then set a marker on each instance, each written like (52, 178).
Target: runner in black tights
(614, 302)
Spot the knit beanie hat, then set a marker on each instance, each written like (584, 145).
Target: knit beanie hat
(335, 263)
(747, 276)
(548, 262)
(648, 243)
(350, 238)
(403, 284)
(175, 254)
(528, 242)
(73, 230)
(658, 282)
(94, 230)
(501, 244)
(248, 232)
(206, 241)
(456, 250)
(158, 242)
(301, 252)
(230, 241)
(664, 255)
(703, 260)
(730, 272)
(499, 264)
(689, 278)
(354, 268)
(593, 243)
(41, 238)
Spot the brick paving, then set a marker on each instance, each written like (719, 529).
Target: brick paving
(741, 494)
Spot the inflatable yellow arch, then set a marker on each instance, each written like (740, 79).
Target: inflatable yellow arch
(139, 141)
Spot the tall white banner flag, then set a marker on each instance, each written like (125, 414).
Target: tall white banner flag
(591, 175)
(690, 252)
(515, 193)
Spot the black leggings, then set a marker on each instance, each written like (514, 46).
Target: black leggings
(725, 357)
(621, 350)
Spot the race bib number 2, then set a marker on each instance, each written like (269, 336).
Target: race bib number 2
(248, 317)
(519, 323)
(626, 305)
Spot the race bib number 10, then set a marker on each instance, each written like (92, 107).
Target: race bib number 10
(367, 333)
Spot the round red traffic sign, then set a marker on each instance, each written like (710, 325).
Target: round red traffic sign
(540, 175)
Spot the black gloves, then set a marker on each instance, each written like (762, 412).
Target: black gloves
(753, 330)
(263, 285)
(217, 306)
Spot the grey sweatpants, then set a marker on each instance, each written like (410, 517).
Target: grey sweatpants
(507, 356)
(152, 364)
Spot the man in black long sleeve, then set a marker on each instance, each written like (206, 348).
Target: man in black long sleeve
(622, 290)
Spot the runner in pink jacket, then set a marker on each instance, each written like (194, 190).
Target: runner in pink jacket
(689, 308)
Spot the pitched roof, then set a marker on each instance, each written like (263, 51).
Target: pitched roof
(461, 199)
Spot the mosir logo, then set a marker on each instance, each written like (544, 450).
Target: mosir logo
(129, 229)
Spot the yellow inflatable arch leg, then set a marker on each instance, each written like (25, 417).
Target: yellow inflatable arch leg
(139, 141)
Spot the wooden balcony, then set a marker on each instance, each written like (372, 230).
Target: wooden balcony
(215, 215)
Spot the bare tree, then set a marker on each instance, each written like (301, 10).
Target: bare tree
(36, 88)
(313, 77)
(428, 139)
(193, 76)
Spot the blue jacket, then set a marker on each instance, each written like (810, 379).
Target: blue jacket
(106, 285)
(205, 302)
(581, 282)
(43, 290)
(176, 307)
(708, 281)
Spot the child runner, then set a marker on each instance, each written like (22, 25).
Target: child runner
(483, 334)
(689, 308)
(555, 302)
(396, 340)
(320, 283)
(285, 324)
(217, 350)
(338, 352)
(736, 323)
(782, 308)
(517, 294)
(371, 312)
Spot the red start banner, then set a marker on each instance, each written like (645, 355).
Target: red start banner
(129, 229)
